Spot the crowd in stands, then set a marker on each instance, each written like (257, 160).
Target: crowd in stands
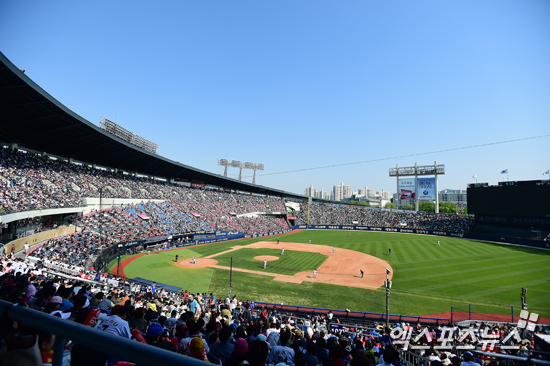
(173, 219)
(155, 219)
(168, 217)
(75, 250)
(34, 225)
(32, 181)
(230, 332)
(117, 224)
(253, 225)
(331, 214)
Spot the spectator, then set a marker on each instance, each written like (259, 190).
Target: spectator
(117, 323)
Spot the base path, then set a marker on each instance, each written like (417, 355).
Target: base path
(127, 261)
(201, 263)
(341, 267)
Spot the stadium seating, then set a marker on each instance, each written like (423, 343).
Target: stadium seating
(331, 214)
(30, 181)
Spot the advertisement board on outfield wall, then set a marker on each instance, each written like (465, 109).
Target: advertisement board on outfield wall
(495, 238)
(378, 228)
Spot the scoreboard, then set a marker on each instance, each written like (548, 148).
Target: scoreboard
(517, 199)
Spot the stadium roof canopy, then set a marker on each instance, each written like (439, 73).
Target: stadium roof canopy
(33, 119)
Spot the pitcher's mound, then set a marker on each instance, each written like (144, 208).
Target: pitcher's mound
(201, 262)
(266, 257)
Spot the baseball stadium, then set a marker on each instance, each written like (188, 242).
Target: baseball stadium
(126, 224)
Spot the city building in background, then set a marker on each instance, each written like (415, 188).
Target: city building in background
(364, 193)
(323, 194)
(310, 191)
(341, 192)
(344, 193)
(385, 195)
(458, 196)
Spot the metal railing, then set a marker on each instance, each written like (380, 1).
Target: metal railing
(516, 359)
(412, 359)
(123, 348)
(351, 314)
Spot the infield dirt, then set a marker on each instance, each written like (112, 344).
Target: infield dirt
(342, 266)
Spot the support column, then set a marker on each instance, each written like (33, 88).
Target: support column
(436, 190)
(416, 186)
(398, 195)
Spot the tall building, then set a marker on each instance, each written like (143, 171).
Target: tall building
(341, 192)
(365, 192)
(383, 194)
(457, 196)
(323, 194)
(310, 191)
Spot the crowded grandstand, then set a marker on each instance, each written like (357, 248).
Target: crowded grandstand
(55, 264)
(224, 331)
(231, 331)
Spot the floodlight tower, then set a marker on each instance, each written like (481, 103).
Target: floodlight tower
(252, 166)
(225, 163)
(237, 164)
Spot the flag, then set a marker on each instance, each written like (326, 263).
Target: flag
(505, 171)
(310, 200)
(546, 172)
(475, 177)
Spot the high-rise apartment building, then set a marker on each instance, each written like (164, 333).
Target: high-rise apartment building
(383, 194)
(341, 192)
(457, 196)
(310, 191)
(365, 192)
(323, 194)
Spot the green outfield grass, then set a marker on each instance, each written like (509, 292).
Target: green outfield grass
(290, 263)
(427, 278)
(160, 267)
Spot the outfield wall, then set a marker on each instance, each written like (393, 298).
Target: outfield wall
(493, 238)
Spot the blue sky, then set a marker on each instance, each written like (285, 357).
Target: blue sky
(302, 84)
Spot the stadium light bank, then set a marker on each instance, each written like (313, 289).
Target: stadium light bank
(237, 164)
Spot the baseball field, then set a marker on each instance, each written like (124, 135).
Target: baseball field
(427, 278)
